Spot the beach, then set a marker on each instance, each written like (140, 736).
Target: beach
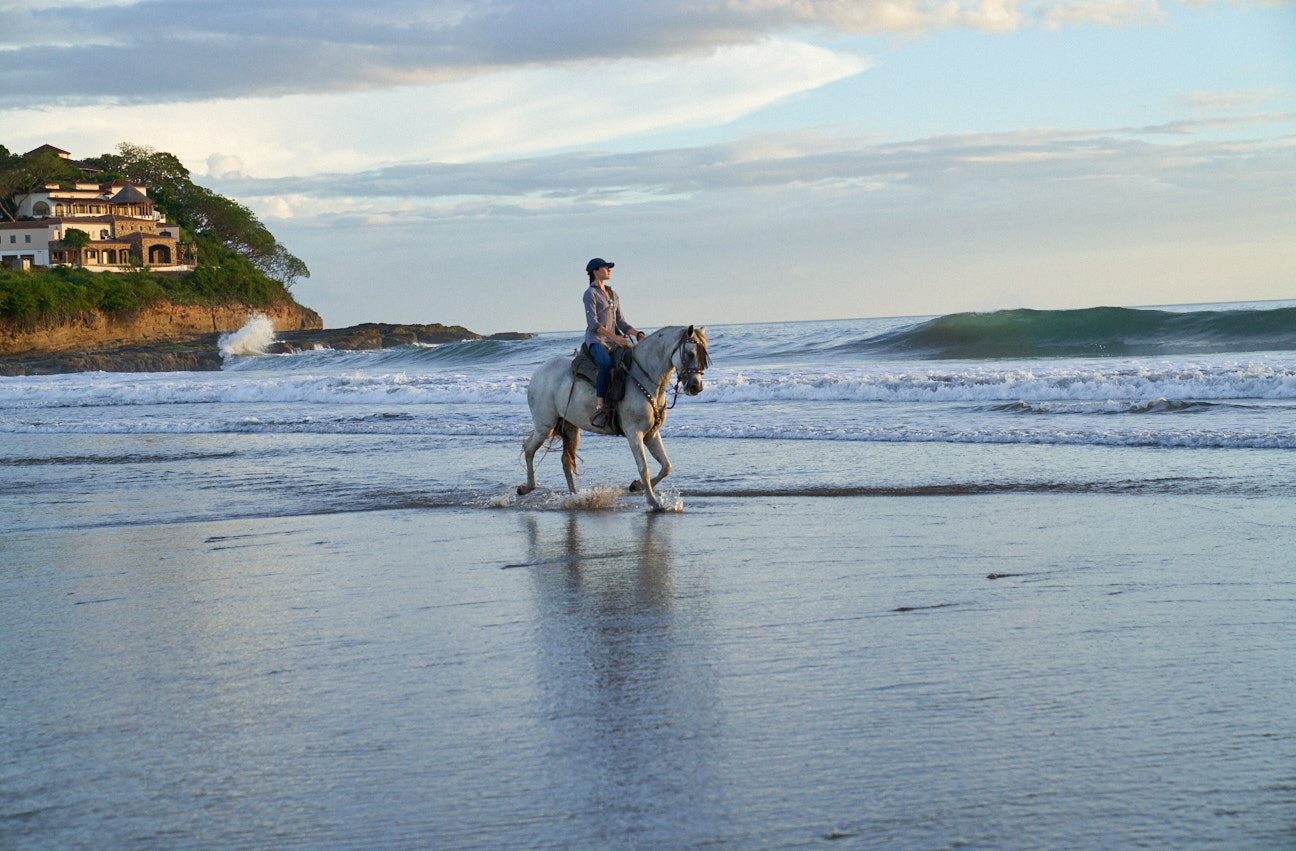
(302, 606)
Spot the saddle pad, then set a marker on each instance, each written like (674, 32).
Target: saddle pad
(583, 366)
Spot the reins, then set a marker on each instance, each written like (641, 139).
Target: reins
(698, 368)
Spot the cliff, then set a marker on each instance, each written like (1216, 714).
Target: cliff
(158, 324)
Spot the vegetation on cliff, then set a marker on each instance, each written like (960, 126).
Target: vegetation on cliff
(242, 262)
(64, 293)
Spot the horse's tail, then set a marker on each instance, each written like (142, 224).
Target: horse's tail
(568, 444)
(559, 433)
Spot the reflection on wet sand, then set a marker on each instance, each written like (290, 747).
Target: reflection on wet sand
(626, 670)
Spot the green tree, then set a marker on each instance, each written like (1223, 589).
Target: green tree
(75, 238)
(240, 231)
(284, 267)
(160, 171)
(233, 224)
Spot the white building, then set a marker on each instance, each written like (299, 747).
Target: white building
(117, 198)
(27, 244)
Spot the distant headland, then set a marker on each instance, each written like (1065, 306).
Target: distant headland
(121, 263)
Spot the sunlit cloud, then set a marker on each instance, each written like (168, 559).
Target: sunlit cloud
(1103, 13)
(57, 52)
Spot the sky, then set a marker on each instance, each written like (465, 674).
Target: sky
(459, 161)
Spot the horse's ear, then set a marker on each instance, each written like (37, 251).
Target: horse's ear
(689, 332)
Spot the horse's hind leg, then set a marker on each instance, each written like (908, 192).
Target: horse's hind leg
(571, 440)
(529, 447)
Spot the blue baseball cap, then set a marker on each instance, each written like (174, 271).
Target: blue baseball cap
(597, 263)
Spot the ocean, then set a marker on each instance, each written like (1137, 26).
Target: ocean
(1008, 580)
(1197, 384)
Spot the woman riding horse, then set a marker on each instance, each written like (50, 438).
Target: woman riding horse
(605, 326)
(561, 404)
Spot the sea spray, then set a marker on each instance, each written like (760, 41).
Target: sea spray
(254, 338)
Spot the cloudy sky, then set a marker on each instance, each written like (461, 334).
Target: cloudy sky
(740, 160)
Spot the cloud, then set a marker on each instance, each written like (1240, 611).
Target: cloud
(501, 114)
(56, 52)
(224, 167)
(964, 171)
(1227, 100)
(1103, 13)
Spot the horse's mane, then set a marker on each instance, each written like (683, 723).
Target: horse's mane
(699, 336)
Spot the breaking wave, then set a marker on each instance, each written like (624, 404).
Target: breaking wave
(1091, 332)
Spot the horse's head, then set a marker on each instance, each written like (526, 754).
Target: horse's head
(690, 359)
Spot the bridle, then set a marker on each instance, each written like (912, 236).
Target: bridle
(699, 364)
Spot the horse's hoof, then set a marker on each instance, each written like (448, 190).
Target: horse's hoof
(635, 486)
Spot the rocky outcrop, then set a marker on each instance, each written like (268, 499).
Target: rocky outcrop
(158, 324)
(126, 359)
(380, 335)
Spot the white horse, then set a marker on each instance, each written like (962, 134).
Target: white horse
(565, 405)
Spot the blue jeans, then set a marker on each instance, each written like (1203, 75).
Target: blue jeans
(603, 358)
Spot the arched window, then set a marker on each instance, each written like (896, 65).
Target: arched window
(40, 208)
(58, 209)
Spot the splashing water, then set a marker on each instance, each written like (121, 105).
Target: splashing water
(256, 335)
(596, 498)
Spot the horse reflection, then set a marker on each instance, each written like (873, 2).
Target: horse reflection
(624, 665)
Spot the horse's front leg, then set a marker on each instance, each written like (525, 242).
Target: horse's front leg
(658, 450)
(637, 449)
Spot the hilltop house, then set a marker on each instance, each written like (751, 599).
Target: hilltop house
(123, 223)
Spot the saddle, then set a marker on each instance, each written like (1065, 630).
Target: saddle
(585, 368)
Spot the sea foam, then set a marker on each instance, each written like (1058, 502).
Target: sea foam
(254, 338)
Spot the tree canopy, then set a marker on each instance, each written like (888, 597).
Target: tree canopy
(161, 172)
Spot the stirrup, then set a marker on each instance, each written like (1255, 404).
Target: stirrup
(599, 419)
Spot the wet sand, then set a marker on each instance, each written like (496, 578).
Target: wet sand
(989, 671)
